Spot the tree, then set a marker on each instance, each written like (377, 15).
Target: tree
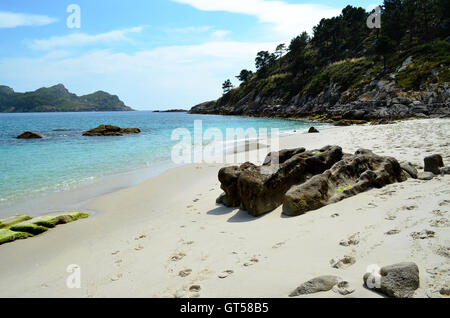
(245, 76)
(264, 59)
(280, 50)
(227, 86)
(384, 47)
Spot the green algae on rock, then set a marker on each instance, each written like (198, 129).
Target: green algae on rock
(7, 236)
(29, 228)
(8, 222)
(50, 221)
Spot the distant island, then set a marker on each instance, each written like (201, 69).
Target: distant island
(57, 99)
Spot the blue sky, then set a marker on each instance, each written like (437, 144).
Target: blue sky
(156, 54)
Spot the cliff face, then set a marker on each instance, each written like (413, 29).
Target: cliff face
(349, 89)
(350, 71)
(57, 99)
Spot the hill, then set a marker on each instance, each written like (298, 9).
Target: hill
(346, 70)
(57, 99)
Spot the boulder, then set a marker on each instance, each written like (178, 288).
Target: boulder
(398, 280)
(313, 130)
(445, 170)
(350, 176)
(315, 285)
(29, 135)
(425, 176)
(259, 190)
(410, 170)
(50, 221)
(108, 130)
(433, 164)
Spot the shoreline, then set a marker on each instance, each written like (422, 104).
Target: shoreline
(144, 236)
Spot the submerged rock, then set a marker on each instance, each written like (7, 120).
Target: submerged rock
(315, 285)
(350, 176)
(29, 135)
(259, 190)
(108, 130)
(398, 280)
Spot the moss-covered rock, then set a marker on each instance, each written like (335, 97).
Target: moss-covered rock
(29, 228)
(8, 222)
(7, 236)
(50, 221)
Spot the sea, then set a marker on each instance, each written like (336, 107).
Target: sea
(64, 160)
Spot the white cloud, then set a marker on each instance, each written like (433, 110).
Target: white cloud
(10, 20)
(190, 29)
(180, 76)
(220, 34)
(287, 19)
(82, 39)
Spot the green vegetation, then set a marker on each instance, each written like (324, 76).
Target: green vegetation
(22, 226)
(57, 99)
(344, 53)
(343, 188)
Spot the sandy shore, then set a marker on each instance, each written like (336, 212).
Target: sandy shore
(142, 237)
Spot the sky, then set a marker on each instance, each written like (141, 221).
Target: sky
(153, 54)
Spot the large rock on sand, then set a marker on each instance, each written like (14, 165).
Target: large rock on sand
(348, 177)
(315, 285)
(108, 130)
(259, 190)
(398, 280)
(433, 164)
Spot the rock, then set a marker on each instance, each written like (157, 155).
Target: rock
(259, 190)
(195, 288)
(315, 285)
(399, 280)
(350, 176)
(50, 221)
(7, 236)
(29, 135)
(313, 130)
(410, 170)
(29, 228)
(8, 222)
(343, 288)
(108, 130)
(425, 176)
(445, 291)
(445, 170)
(433, 163)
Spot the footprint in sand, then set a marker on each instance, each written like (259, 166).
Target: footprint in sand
(392, 232)
(335, 215)
(139, 248)
(252, 262)
(225, 274)
(140, 237)
(195, 288)
(425, 234)
(344, 262)
(115, 252)
(177, 257)
(185, 273)
(390, 218)
(352, 240)
(278, 245)
(116, 278)
(443, 222)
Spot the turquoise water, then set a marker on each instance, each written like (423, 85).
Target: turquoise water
(65, 159)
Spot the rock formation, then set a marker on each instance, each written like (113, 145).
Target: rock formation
(261, 189)
(29, 135)
(108, 130)
(303, 180)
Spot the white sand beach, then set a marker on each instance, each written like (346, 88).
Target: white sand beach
(139, 239)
